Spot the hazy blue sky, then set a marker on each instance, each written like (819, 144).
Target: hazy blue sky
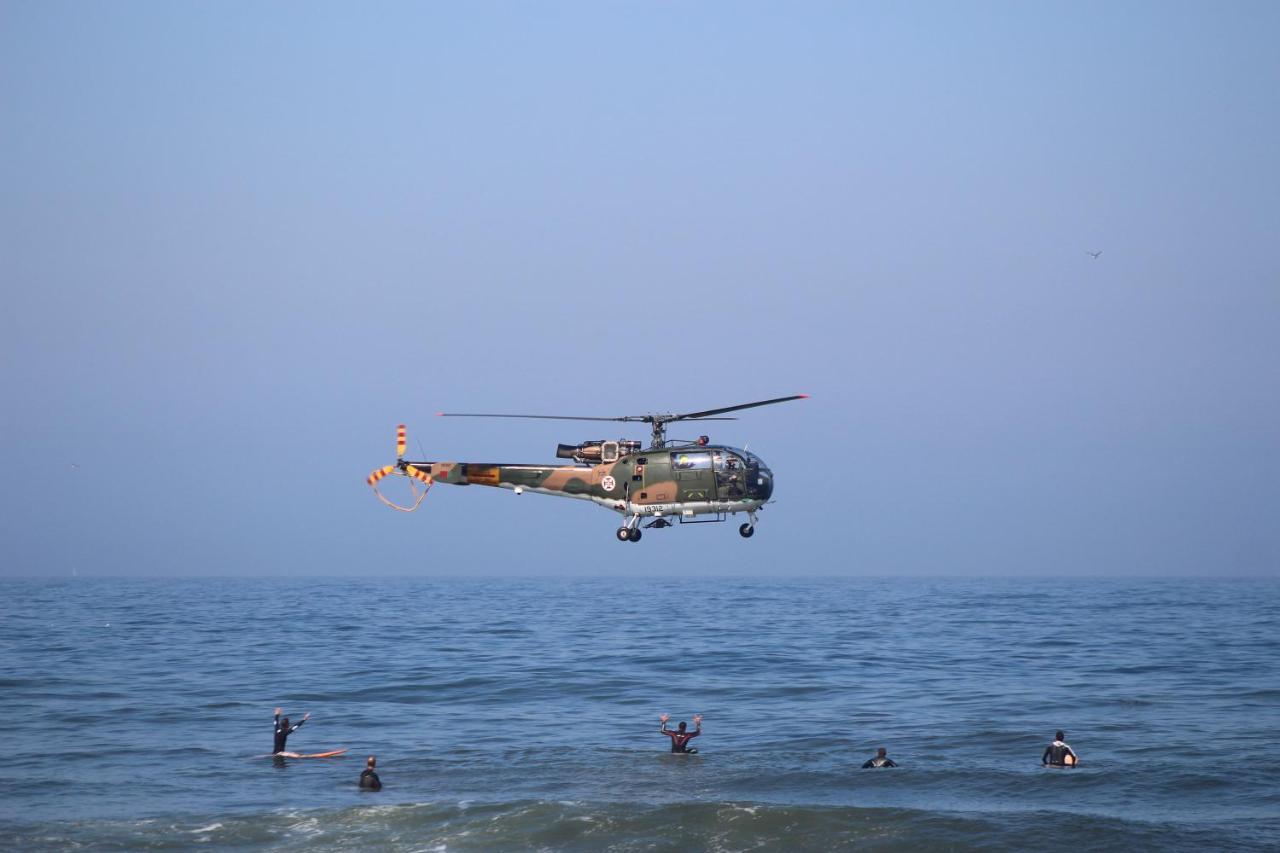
(240, 242)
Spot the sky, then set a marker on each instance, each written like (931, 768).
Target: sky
(240, 242)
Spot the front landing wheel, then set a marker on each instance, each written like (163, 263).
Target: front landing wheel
(746, 531)
(623, 534)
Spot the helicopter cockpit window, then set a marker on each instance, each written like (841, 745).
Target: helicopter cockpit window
(730, 473)
(744, 459)
(727, 461)
(700, 461)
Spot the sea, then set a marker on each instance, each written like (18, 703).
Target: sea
(522, 714)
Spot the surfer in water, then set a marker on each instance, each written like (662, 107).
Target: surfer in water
(369, 778)
(283, 730)
(1058, 754)
(680, 737)
(881, 760)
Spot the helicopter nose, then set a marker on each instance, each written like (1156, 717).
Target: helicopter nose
(763, 487)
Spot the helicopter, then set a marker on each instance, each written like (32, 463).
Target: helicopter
(692, 482)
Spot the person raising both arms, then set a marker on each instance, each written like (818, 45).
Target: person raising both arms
(680, 737)
(283, 730)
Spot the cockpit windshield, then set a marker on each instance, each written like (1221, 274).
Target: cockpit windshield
(751, 459)
(740, 473)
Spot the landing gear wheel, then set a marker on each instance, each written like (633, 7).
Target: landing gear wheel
(635, 535)
(623, 534)
(746, 531)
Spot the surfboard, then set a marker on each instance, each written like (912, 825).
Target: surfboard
(305, 755)
(1069, 760)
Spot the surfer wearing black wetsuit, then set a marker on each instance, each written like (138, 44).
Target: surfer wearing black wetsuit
(680, 738)
(1055, 754)
(283, 729)
(881, 760)
(369, 778)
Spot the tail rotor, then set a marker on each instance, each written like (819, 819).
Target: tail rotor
(415, 476)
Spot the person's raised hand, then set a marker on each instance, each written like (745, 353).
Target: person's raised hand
(277, 712)
(697, 719)
(664, 718)
(306, 716)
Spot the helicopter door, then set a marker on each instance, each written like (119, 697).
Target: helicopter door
(730, 474)
(694, 478)
(657, 483)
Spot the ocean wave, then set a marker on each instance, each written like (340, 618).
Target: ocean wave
(574, 826)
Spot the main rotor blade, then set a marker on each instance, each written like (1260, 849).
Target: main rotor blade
(703, 415)
(537, 417)
(626, 418)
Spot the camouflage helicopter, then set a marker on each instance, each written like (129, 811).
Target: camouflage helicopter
(689, 481)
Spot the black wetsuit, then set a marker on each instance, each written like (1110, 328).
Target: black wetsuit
(282, 734)
(369, 779)
(879, 762)
(1055, 754)
(679, 740)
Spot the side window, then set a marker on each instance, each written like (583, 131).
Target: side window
(695, 461)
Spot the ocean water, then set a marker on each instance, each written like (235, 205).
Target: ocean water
(522, 714)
